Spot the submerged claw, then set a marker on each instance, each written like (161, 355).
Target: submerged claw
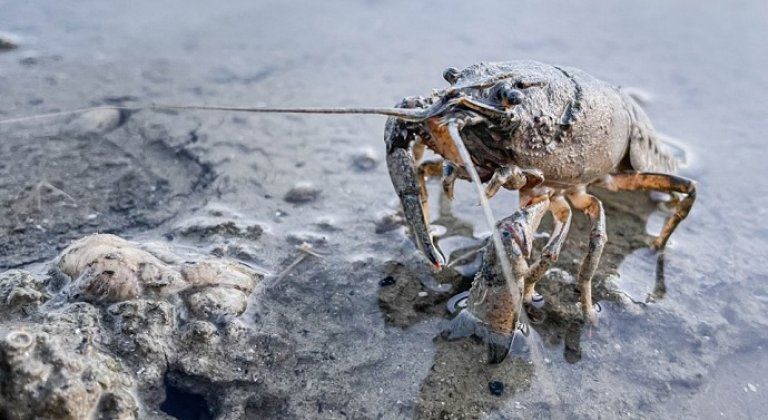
(465, 324)
(498, 347)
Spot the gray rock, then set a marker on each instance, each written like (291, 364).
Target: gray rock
(213, 303)
(21, 293)
(124, 322)
(59, 376)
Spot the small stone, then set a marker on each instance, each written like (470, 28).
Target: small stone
(387, 281)
(199, 331)
(389, 222)
(8, 41)
(751, 387)
(28, 61)
(327, 224)
(298, 238)
(496, 388)
(98, 121)
(423, 294)
(220, 273)
(365, 160)
(226, 228)
(215, 302)
(302, 192)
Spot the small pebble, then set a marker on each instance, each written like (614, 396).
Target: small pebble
(752, 387)
(8, 41)
(365, 160)
(98, 121)
(496, 388)
(327, 224)
(302, 192)
(389, 222)
(387, 281)
(298, 238)
(423, 294)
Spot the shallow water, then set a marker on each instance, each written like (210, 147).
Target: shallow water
(368, 351)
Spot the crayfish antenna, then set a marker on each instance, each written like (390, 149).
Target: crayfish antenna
(407, 114)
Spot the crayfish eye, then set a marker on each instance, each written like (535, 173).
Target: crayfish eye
(451, 75)
(513, 96)
(508, 95)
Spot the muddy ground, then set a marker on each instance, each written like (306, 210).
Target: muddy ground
(362, 341)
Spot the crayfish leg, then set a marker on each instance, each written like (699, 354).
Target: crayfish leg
(593, 208)
(664, 183)
(561, 213)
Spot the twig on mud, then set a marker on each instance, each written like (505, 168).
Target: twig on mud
(306, 250)
(37, 194)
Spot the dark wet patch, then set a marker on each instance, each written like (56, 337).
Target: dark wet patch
(387, 281)
(62, 186)
(461, 383)
(184, 405)
(405, 300)
(267, 406)
(227, 228)
(559, 321)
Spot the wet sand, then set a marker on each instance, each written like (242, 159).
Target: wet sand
(361, 348)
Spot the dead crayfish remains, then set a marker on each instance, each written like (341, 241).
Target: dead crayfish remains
(549, 132)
